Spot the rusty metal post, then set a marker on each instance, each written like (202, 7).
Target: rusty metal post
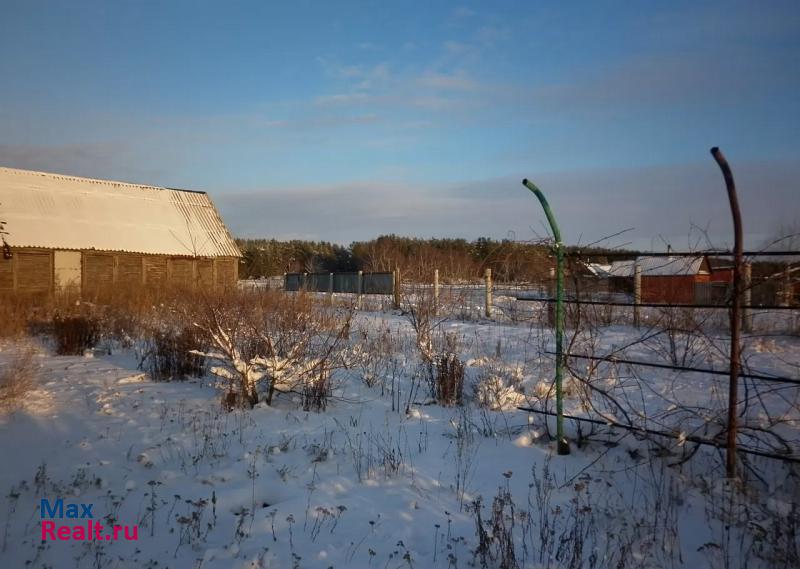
(747, 297)
(736, 303)
(637, 293)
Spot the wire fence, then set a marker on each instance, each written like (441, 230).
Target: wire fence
(769, 307)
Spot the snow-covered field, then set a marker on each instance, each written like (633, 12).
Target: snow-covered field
(367, 484)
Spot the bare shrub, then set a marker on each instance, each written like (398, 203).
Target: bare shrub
(372, 354)
(438, 351)
(316, 389)
(268, 341)
(75, 334)
(173, 354)
(17, 378)
(499, 386)
(449, 384)
(421, 312)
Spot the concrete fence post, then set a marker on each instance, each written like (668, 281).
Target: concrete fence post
(330, 289)
(360, 288)
(285, 281)
(436, 292)
(396, 288)
(488, 278)
(637, 294)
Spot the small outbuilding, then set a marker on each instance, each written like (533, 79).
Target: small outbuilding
(671, 279)
(94, 236)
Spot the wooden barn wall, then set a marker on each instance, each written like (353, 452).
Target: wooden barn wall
(6, 274)
(205, 273)
(226, 272)
(28, 271)
(155, 271)
(130, 269)
(32, 271)
(98, 273)
(181, 272)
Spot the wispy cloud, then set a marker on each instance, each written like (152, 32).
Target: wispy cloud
(344, 99)
(463, 12)
(662, 79)
(456, 82)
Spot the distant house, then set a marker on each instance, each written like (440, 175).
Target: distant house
(672, 279)
(93, 236)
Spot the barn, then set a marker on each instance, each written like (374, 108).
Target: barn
(87, 236)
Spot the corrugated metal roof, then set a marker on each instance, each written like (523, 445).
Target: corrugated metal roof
(669, 266)
(621, 269)
(67, 212)
(652, 267)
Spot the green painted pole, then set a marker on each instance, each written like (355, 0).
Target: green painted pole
(563, 444)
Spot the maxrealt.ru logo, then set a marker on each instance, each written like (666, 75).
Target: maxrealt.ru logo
(89, 530)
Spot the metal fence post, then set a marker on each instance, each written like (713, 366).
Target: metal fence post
(637, 293)
(436, 292)
(735, 363)
(488, 279)
(330, 288)
(562, 443)
(551, 294)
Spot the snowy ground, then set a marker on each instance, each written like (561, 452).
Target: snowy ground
(364, 484)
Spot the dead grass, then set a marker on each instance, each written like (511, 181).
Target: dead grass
(17, 378)
(18, 313)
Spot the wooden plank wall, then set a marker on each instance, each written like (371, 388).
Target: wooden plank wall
(29, 270)
(32, 271)
(6, 275)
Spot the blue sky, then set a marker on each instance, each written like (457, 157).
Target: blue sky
(345, 120)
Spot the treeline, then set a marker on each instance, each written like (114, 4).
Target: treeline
(456, 259)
